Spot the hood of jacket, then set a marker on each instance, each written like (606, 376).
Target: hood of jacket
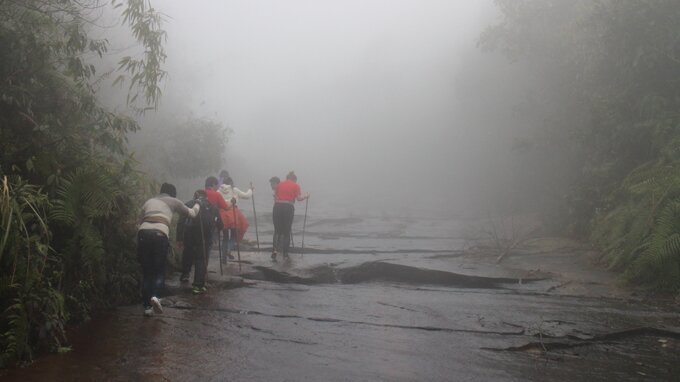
(226, 191)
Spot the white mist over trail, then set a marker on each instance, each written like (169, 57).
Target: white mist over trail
(360, 98)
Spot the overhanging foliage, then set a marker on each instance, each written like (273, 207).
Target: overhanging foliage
(616, 62)
(70, 188)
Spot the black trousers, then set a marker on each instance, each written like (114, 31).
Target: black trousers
(152, 251)
(283, 214)
(196, 252)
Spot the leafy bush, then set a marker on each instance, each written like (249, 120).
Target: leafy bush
(32, 310)
(640, 232)
(70, 188)
(607, 69)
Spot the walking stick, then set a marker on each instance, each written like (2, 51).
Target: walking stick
(238, 250)
(219, 246)
(257, 235)
(304, 225)
(203, 254)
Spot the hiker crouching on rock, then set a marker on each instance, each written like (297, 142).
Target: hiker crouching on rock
(287, 192)
(235, 222)
(195, 239)
(153, 244)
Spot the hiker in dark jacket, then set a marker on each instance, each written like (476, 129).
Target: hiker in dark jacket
(195, 238)
(153, 244)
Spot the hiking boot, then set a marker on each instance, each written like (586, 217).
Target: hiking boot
(199, 290)
(230, 256)
(156, 304)
(274, 256)
(184, 278)
(148, 311)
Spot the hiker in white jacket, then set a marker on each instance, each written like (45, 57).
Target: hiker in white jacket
(235, 223)
(229, 192)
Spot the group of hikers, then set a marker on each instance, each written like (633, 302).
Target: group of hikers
(212, 209)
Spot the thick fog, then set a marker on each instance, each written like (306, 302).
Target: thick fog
(374, 104)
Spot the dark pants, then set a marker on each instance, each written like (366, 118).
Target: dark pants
(228, 241)
(197, 253)
(275, 239)
(152, 250)
(283, 222)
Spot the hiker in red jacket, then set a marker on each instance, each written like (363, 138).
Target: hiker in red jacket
(214, 197)
(287, 192)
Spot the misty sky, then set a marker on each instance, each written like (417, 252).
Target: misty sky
(360, 98)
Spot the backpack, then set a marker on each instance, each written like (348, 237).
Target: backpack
(207, 220)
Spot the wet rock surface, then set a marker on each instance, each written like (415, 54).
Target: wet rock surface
(385, 300)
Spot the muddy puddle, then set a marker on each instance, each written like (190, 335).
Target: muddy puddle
(384, 299)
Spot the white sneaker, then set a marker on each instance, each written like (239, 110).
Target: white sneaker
(156, 304)
(148, 312)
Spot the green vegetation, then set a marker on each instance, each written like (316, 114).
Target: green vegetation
(601, 96)
(609, 71)
(189, 148)
(69, 188)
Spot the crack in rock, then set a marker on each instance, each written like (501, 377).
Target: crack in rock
(576, 341)
(381, 271)
(337, 320)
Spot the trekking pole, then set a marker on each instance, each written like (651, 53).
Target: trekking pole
(304, 225)
(203, 254)
(257, 235)
(238, 250)
(219, 246)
